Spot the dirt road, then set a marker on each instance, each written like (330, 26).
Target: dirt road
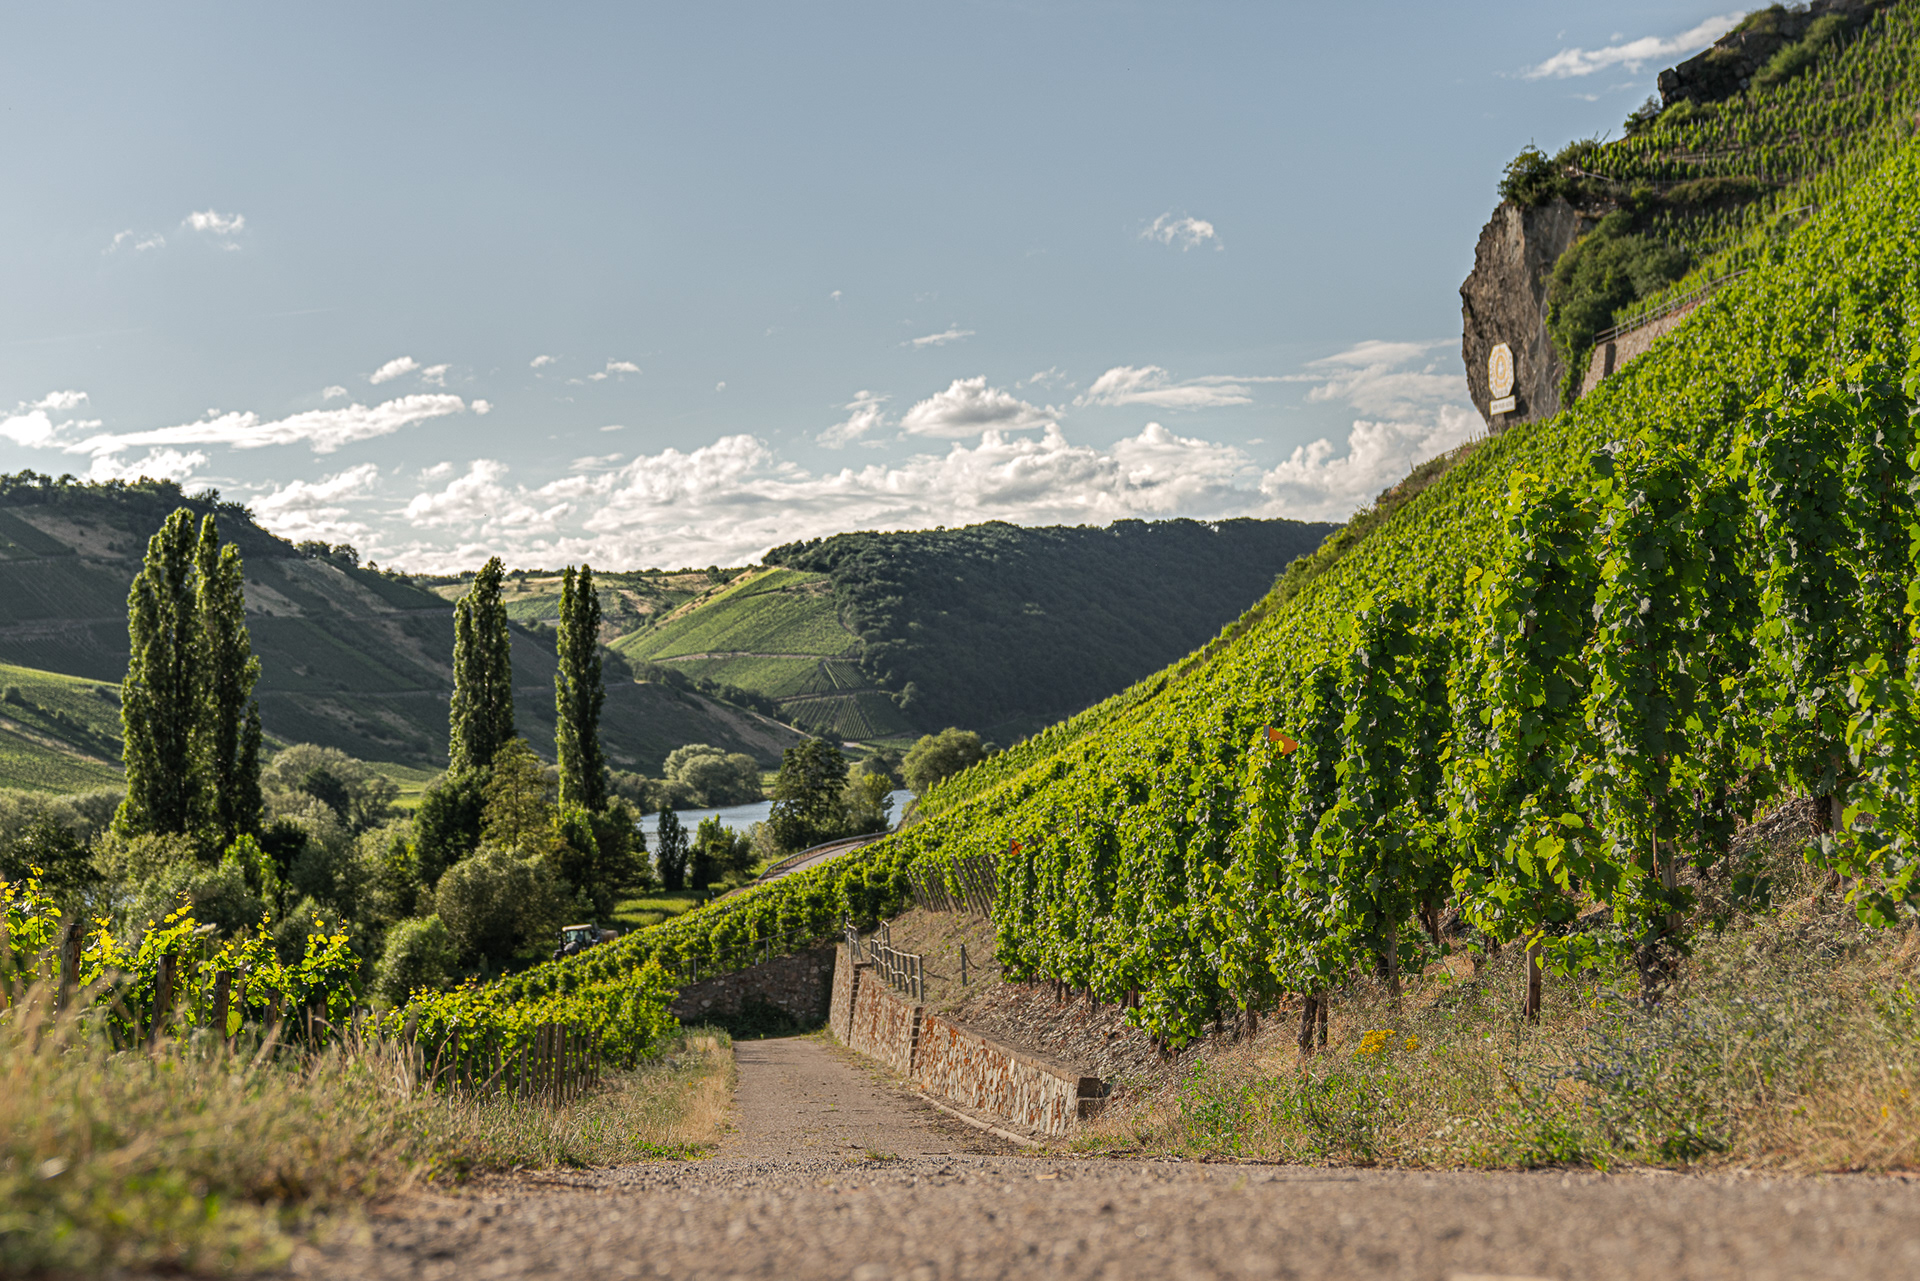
(833, 1172)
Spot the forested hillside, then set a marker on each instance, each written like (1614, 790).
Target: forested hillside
(350, 657)
(993, 627)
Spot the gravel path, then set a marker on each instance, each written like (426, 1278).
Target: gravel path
(835, 1172)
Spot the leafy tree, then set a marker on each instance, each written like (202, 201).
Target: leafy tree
(481, 719)
(161, 697)
(495, 903)
(938, 756)
(715, 777)
(598, 855)
(229, 727)
(868, 802)
(719, 854)
(419, 953)
(446, 827)
(579, 694)
(53, 853)
(361, 797)
(519, 811)
(671, 851)
(807, 803)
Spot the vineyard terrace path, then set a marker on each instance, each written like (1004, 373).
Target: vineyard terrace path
(834, 1171)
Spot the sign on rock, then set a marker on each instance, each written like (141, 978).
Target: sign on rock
(1500, 379)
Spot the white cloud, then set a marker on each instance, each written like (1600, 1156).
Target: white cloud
(435, 375)
(1316, 483)
(835, 295)
(31, 423)
(952, 333)
(1373, 378)
(482, 407)
(1184, 232)
(969, 407)
(302, 509)
(595, 462)
(159, 464)
(324, 430)
(1048, 377)
(614, 427)
(137, 243)
(479, 500)
(541, 362)
(393, 369)
(218, 223)
(334, 392)
(614, 367)
(720, 386)
(1633, 54)
(865, 414)
(1152, 385)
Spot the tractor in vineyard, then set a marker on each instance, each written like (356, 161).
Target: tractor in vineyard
(575, 939)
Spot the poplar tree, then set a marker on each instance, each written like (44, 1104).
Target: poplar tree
(161, 696)
(229, 721)
(481, 721)
(579, 694)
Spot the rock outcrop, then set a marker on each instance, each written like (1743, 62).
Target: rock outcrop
(1505, 301)
(1728, 67)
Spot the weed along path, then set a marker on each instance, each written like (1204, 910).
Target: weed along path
(833, 1170)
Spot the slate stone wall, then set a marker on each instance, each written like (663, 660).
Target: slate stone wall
(954, 1062)
(797, 986)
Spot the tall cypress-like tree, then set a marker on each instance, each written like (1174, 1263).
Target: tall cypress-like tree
(162, 695)
(229, 722)
(579, 694)
(481, 722)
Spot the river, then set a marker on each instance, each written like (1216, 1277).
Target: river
(741, 817)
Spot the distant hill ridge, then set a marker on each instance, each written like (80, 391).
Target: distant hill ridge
(350, 657)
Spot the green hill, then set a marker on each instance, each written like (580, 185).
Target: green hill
(998, 628)
(350, 657)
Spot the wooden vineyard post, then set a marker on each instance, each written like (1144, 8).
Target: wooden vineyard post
(222, 996)
(71, 937)
(162, 997)
(1530, 1007)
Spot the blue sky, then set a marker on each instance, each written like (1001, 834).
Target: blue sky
(666, 285)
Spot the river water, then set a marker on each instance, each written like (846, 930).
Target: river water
(741, 817)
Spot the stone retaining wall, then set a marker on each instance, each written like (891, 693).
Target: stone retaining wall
(1609, 356)
(954, 1062)
(798, 986)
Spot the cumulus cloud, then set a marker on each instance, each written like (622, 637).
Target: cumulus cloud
(393, 369)
(334, 392)
(435, 375)
(1633, 54)
(323, 430)
(159, 464)
(1322, 481)
(31, 422)
(952, 333)
(317, 509)
(866, 412)
(482, 407)
(1184, 232)
(1152, 385)
(969, 407)
(218, 223)
(614, 367)
(541, 362)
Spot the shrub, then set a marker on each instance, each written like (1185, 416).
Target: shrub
(419, 954)
(494, 903)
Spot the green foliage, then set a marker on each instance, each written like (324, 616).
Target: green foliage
(420, 955)
(519, 801)
(937, 757)
(808, 807)
(1797, 57)
(481, 718)
(161, 698)
(228, 725)
(495, 904)
(446, 826)
(579, 695)
(1607, 269)
(359, 796)
(671, 851)
(713, 777)
(718, 854)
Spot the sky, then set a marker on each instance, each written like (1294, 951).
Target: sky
(667, 285)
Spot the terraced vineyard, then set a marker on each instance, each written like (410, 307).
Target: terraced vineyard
(777, 632)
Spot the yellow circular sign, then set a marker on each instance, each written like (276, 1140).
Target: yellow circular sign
(1500, 371)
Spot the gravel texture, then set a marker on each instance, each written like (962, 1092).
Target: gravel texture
(834, 1171)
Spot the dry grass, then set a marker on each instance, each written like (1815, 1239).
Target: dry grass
(193, 1159)
(1791, 1042)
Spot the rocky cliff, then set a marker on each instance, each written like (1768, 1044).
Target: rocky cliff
(1505, 301)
